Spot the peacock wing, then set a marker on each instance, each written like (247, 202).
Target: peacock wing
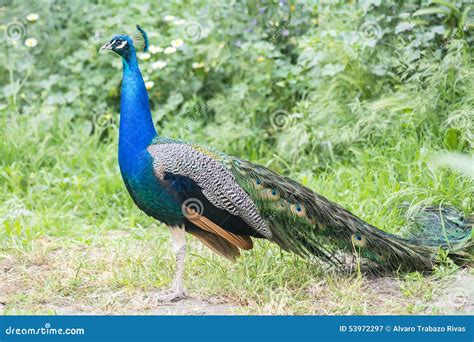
(209, 176)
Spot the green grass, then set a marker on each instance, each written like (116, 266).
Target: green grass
(72, 237)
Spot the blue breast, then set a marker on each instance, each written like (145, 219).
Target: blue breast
(155, 197)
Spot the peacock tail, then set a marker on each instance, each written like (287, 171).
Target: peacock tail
(308, 224)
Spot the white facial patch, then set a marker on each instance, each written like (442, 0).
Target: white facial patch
(122, 45)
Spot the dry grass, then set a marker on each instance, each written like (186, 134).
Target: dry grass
(120, 276)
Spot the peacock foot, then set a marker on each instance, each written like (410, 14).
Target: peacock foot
(171, 295)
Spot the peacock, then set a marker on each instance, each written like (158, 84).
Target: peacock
(226, 202)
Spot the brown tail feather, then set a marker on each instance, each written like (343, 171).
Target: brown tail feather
(243, 242)
(217, 244)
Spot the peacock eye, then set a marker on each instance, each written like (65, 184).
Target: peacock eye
(120, 44)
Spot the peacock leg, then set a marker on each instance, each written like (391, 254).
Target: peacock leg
(177, 291)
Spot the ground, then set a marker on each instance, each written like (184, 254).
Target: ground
(120, 274)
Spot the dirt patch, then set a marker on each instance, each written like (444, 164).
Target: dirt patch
(140, 306)
(103, 281)
(33, 284)
(457, 297)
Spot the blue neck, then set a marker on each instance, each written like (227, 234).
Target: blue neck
(136, 124)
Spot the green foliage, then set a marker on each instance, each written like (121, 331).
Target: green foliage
(347, 75)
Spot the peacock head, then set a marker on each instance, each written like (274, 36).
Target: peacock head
(127, 45)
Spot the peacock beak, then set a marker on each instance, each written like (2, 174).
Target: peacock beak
(106, 47)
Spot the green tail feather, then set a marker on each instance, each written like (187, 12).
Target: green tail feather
(308, 224)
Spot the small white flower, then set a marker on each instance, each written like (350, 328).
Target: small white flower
(32, 17)
(144, 56)
(159, 64)
(31, 42)
(196, 65)
(149, 85)
(169, 18)
(177, 43)
(179, 22)
(170, 50)
(154, 49)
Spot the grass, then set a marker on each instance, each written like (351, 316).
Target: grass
(73, 240)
